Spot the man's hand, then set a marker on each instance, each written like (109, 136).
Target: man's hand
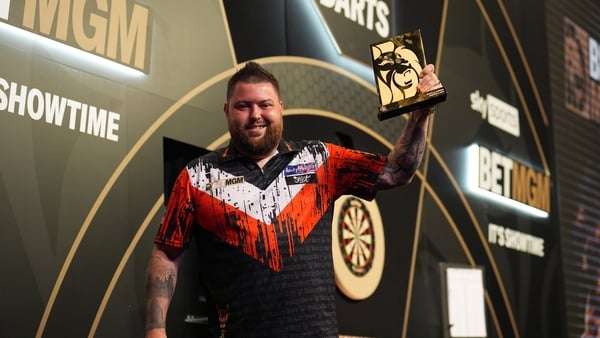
(428, 80)
(405, 158)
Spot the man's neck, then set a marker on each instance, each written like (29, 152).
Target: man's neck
(262, 161)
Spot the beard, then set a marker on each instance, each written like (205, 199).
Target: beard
(254, 147)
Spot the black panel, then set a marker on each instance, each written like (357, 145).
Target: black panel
(176, 155)
(257, 27)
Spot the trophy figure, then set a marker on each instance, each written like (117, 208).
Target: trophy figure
(397, 63)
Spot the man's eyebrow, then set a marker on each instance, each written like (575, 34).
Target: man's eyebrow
(257, 101)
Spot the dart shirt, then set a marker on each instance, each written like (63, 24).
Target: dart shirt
(264, 236)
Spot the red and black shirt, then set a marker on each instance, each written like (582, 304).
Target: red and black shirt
(264, 236)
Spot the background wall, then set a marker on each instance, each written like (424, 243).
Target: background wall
(80, 206)
(573, 37)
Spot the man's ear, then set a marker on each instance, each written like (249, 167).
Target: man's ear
(225, 108)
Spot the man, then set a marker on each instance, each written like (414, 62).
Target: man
(263, 234)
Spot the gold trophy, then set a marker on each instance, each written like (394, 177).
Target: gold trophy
(397, 63)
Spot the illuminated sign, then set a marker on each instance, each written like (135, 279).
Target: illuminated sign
(356, 24)
(504, 177)
(4, 8)
(59, 111)
(594, 59)
(373, 15)
(116, 30)
(515, 240)
(582, 72)
(498, 113)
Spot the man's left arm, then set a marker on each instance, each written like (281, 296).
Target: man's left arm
(406, 156)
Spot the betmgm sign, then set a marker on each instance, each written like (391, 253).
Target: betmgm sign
(117, 30)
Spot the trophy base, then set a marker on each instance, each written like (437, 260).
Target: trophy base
(429, 98)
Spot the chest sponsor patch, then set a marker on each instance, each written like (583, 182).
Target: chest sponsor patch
(301, 179)
(225, 182)
(300, 169)
(301, 173)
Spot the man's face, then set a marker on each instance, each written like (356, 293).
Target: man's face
(255, 118)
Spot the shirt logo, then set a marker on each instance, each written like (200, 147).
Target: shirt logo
(300, 169)
(225, 182)
(300, 173)
(301, 179)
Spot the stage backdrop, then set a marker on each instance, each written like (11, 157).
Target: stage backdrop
(573, 39)
(102, 103)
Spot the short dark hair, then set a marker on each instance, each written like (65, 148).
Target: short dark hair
(252, 72)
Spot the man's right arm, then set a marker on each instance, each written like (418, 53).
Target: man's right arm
(161, 279)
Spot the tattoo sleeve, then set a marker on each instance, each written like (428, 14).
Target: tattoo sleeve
(161, 279)
(406, 156)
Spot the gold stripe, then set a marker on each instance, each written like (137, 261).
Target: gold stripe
(533, 84)
(124, 259)
(110, 183)
(519, 92)
(134, 242)
(477, 228)
(533, 131)
(421, 198)
(341, 118)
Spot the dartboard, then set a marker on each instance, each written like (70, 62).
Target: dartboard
(358, 246)
(356, 236)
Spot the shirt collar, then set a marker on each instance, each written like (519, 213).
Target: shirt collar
(230, 153)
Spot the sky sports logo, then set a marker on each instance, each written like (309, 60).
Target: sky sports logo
(497, 112)
(4, 9)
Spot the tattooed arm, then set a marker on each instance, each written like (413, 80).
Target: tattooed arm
(405, 158)
(160, 285)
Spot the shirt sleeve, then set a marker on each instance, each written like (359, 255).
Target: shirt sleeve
(355, 172)
(176, 227)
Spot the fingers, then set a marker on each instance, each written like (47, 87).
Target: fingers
(427, 69)
(428, 79)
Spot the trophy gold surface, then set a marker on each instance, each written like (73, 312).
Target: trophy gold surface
(397, 63)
